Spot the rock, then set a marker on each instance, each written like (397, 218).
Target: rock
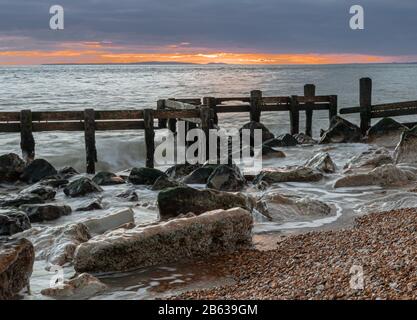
(164, 182)
(200, 175)
(90, 205)
(406, 150)
(67, 172)
(272, 152)
(16, 265)
(144, 176)
(370, 160)
(284, 140)
(181, 200)
(386, 132)
(21, 199)
(81, 187)
(252, 126)
(56, 245)
(45, 212)
(129, 195)
(110, 222)
(215, 232)
(11, 167)
(341, 131)
(81, 287)
(44, 193)
(278, 207)
(181, 170)
(107, 179)
(302, 138)
(37, 170)
(289, 174)
(321, 162)
(54, 183)
(12, 222)
(385, 175)
(226, 178)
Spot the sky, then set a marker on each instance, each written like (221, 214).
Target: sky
(208, 31)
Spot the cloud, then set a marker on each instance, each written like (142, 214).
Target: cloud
(206, 26)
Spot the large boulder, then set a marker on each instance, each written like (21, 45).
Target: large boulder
(45, 193)
(90, 205)
(215, 232)
(406, 150)
(289, 174)
(82, 286)
(279, 207)
(11, 167)
(20, 199)
(302, 138)
(12, 222)
(37, 170)
(341, 131)
(67, 172)
(369, 160)
(45, 212)
(284, 140)
(16, 265)
(181, 170)
(56, 245)
(145, 176)
(164, 182)
(81, 187)
(321, 162)
(129, 195)
(200, 175)
(110, 221)
(386, 175)
(386, 132)
(104, 178)
(252, 126)
(182, 200)
(226, 178)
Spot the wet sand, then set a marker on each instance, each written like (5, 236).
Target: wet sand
(325, 264)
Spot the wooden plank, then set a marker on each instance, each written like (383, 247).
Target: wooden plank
(162, 123)
(392, 113)
(315, 99)
(10, 116)
(349, 110)
(27, 142)
(90, 140)
(365, 99)
(294, 115)
(405, 105)
(149, 137)
(211, 103)
(177, 105)
(10, 127)
(332, 107)
(172, 125)
(309, 93)
(255, 105)
(194, 101)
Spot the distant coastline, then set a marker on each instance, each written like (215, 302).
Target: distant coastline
(150, 63)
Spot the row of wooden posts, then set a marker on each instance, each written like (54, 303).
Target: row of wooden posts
(196, 112)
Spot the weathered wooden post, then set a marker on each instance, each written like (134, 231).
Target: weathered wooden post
(160, 105)
(255, 105)
(90, 140)
(309, 92)
(27, 142)
(205, 117)
(149, 137)
(211, 102)
(365, 100)
(294, 115)
(332, 107)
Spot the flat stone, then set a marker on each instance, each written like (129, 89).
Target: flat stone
(144, 176)
(45, 212)
(289, 174)
(110, 221)
(81, 187)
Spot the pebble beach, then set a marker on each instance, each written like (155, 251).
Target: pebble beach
(318, 265)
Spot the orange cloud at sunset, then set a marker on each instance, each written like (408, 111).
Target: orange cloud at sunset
(93, 52)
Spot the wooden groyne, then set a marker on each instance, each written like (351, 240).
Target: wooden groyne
(196, 112)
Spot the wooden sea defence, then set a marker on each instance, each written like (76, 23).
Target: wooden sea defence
(368, 111)
(196, 112)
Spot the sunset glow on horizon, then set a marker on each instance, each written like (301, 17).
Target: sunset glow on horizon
(96, 56)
